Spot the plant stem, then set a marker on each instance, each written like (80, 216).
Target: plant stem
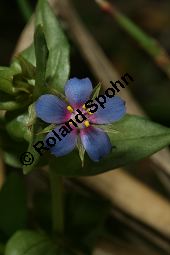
(25, 9)
(149, 44)
(57, 202)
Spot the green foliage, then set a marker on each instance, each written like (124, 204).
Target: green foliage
(27, 70)
(29, 243)
(14, 85)
(12, 147)
(96, 91)
(58, 62)
(50, 55)
(13, 209)
(57, 71)
(17, 126)
(135, 138)
(37, 70)
(12, 158)
(41, 54)
(32, 243)
(15, 135)
(6, 79)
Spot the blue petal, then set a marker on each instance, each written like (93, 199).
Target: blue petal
(114, 110)
(63, 147)
(96, 142)
(51, 109)
(78, 91)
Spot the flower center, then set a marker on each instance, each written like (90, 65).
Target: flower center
(82, 116)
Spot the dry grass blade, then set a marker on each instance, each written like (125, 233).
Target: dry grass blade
(138, 201)
(105, 248)
(134, 198)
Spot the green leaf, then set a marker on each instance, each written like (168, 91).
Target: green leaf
(11, 158)
(27, 242)
(6, 84)
(29, 54)
(58, 62)
(14, 69)
(96, 91)
(47, 129)
(12, 150)
(41, 53)
(134, 138)
(17, 126)
(81, 150)
(16, 78)
(11, 105)
(12, 197)
(27, 69)
(6, 79)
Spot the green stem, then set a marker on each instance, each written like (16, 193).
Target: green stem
(57, 202)
(25, 9)
(149, 44)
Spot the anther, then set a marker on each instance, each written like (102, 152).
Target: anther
(86, 123)
(90, 113)
(70, 109)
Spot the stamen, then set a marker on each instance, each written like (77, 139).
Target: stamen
(86, 123)
(90, 113)
(70, 109)
(84, 107)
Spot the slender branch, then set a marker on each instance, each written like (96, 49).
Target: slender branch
(149, 44)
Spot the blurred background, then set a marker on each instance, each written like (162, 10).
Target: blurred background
(151, 90)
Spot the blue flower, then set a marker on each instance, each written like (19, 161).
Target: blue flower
(95, 141)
